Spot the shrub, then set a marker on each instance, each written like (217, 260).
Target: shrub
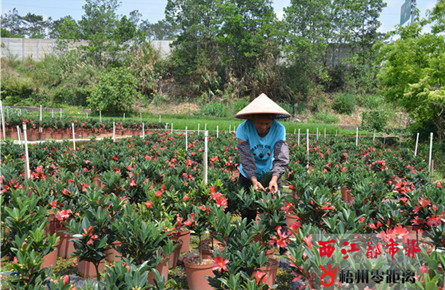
(370, 101)
(214, 109)
(375, 119)
(116, 90)
(326, 118)
(14, 89)
(239, 105)
(344, 103)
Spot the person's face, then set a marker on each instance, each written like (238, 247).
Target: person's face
(262, 125)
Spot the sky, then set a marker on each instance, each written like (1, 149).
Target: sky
(153, 10)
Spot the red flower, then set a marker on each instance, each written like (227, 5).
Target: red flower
(66, 280)
(163, 187)
(282, 239)
(63, 214)
(260, 277)
(148, 204)
(308, 241)
(133, 182)
(434, 220)
(185, 198)
(158, 193)
(220, 264)
(54, 203)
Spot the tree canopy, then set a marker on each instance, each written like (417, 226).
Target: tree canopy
(413, 72)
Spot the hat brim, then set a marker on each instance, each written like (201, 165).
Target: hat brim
(265, 115)
(262, 105)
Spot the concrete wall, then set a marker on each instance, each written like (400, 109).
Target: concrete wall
(22, 48)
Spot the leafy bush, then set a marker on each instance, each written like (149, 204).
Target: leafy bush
(370, 101)
(326, 118)
(116, 90)
(14, 89)
(239, 105)
(214, 109)
(344, 103)
(375, 119)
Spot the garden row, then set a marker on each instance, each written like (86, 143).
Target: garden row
(60, 128)
(139, 196)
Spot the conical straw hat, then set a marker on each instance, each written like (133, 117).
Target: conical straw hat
(262, 105)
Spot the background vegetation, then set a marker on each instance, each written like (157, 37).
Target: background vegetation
(226, 52)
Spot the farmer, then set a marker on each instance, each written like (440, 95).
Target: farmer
(262, 147)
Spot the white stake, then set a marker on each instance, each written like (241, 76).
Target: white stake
(19, 135)
(100, 116)
(160, 118)
(298, 136)
(52, 113)
(25, 137)
(417, 143)
(186, 141)
(325, 133)
(60, 113)
(356, 137)
(124, 118)
(431, 151)
(166, 126)
(217, 131)
(198, 129)
(172, 128)
(307, 145)
(87, 115)
(74, 137)
(335, 133)
(295, 131)
(373, 137)
(317, 134)
(143, 131)
(206, 135)
(114, 132)
(230, 128)
(3, 120)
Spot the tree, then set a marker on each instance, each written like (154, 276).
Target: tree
(108, 35)
(65, 28)
(249, 44)
(115, 90)
(308, 25)
(195, 59)
(413, 72)
(161, 30)
(12, 23)
(35, 26)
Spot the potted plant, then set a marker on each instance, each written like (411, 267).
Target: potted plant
(90, 245)
(143, 240)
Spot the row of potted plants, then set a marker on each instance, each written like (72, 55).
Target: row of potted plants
(158, 181)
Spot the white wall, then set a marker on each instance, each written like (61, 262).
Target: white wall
(23, 48)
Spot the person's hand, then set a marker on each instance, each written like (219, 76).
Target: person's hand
(257, 185)
(273, 184)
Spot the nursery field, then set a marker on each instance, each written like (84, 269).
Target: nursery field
(137, 213)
